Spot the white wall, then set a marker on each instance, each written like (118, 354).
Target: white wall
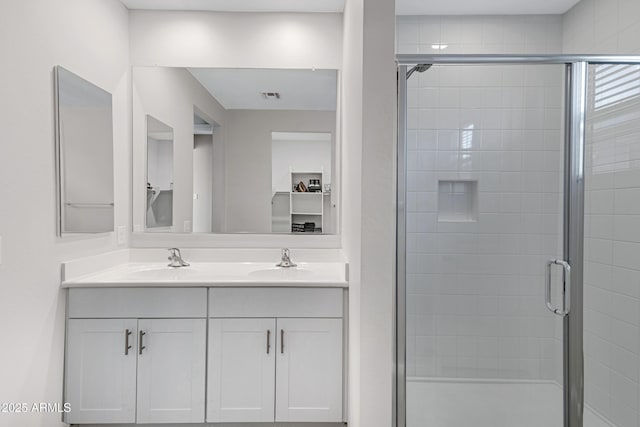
(369, 92)
(174, 106)
(236, 40)
(248, 161)
(475, 307)
(90, 38)
(612, 243)
(299, 155)
(351, 201)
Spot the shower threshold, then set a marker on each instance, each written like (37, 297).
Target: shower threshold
(439, 402)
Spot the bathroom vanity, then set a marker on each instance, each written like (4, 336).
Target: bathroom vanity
(213, 342)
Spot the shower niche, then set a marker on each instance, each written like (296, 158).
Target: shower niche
(457, 201)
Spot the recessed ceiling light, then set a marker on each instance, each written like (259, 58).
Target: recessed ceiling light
(439, 46)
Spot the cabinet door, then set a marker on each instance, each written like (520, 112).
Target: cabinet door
(241, 370)
(309, 370)
(171, 370)
(100, 371)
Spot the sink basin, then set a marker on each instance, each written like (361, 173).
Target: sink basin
(290, 273)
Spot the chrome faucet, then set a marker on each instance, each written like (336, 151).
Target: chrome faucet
(285, 261)
(176, 258)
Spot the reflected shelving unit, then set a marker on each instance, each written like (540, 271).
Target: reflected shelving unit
(302, 209)
(306, 202)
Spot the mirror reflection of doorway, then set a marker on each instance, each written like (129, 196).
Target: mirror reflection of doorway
(301, 177)
(202, 175)
(159, 212)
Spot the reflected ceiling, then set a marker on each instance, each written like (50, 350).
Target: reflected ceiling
(243, 88)
(403, 7)
(239, 5)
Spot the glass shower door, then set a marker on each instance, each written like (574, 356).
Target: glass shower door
(483, 189)
(612, 246)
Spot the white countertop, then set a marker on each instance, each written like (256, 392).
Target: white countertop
(208, 274)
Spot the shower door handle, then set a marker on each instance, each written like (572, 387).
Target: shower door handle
(566, 287)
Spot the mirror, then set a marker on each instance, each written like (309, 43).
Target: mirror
(254, 150)
(159, 212)
(84, 155)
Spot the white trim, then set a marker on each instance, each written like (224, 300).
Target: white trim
(479, 380)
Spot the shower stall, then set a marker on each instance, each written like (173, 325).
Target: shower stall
(518, 241)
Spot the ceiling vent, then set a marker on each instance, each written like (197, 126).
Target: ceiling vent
(271, 95)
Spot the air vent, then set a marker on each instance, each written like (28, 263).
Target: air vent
(271, 95)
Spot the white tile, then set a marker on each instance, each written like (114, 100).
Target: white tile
(492, 97)
(533, 139)
(607, 19)
(468, 120)
(425, 346)
(447, 346)
(533, 98)
(491, 140)
(553, 119)
(513, 75)
(626, 281)
(602, 250)
(428, 118)
(511, 161)
(427, 97)
(627, 201)
(625, 363)
(534, 118)
(470, 97)
(426, 140)
(449, 98)
(628, 13)
(629, 36)
(626, 255)
(430, 30)
(493, 31)
(623, 415)
(408, 33)
(447, 160)
(512, 118)
(627, 228)
(625, 335)
(602, 202)
(601, 227)
(447, 119)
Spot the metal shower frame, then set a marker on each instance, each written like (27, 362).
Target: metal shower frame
(576, 67)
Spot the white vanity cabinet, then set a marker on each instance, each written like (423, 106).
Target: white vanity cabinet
(100, 374)
(146, 355)
(241, 379)
(309, 370)
(136, 355)
(275, 354)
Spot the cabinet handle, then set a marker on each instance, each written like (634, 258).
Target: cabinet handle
(268, 340)
(127, 347)
(281, 341)
(142, 334)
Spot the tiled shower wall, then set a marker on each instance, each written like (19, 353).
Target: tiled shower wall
(475, 278)
(612, 223)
